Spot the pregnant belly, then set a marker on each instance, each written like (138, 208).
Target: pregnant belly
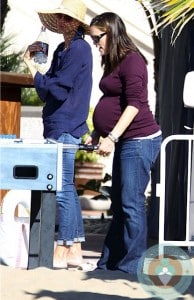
(106, 114)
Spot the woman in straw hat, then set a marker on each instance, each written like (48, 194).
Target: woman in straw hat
(65, 90)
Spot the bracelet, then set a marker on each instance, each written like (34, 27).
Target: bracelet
(112, 138)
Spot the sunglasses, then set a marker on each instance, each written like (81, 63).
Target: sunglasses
(96, 38)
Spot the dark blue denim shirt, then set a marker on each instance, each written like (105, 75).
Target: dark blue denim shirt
(66, 89)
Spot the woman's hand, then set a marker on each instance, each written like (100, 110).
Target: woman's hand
(29, 54)
(106, 146)
(93, 139)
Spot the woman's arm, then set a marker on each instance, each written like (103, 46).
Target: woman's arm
(107, 144)
(125, 120)
(28, 57)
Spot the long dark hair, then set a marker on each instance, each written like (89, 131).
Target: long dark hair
(119, 43)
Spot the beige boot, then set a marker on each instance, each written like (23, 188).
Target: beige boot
(74, 255)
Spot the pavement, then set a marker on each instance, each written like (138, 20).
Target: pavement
(48, 284)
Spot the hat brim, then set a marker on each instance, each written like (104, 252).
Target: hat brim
(49, 20)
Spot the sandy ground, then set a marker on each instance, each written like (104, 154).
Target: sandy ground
(47, 284)
(43, 283)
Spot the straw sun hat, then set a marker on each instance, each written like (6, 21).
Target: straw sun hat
(72, 8)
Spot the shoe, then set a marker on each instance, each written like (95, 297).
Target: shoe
(87, 267)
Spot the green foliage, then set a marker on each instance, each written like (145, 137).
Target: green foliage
(86, 156)
(29, 97)
(179, 12)
(10, 62)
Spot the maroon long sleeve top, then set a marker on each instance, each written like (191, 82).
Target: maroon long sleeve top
(126, 85)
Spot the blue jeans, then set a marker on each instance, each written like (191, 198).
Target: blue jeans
(126, 239)
(68, 204)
